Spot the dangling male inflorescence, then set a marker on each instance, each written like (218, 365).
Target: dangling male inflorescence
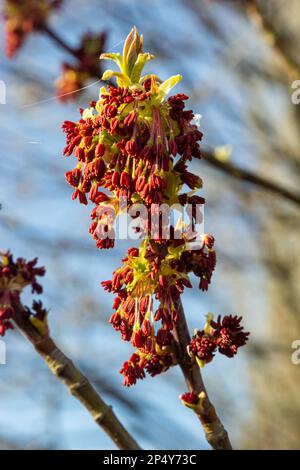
(135, 144)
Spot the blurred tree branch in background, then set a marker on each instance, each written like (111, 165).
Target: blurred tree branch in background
(244, 175)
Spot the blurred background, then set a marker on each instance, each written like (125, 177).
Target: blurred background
(238, 71)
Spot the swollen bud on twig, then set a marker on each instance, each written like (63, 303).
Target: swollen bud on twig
(193, 401)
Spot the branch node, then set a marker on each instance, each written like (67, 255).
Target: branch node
(78, 385)
(99, 418)
(57, 362)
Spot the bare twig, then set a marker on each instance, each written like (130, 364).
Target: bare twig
(78, 385)
(245, 175)
(215, 432)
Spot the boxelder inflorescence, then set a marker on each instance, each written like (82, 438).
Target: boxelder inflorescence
(135, 142)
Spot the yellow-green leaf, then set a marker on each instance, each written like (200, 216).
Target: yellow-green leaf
(116, 57)
(121, 78)
(39, 325)
(200, 363)
(207, 327)
(139, 65)
(167, 85)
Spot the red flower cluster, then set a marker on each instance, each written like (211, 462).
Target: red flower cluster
(14, 277)
(22, 17)
(154, 274)
(225, 335)
(135, 283)
(229, 334)
(201, 262)
(126, 144)
(120, 149)
(74, 77)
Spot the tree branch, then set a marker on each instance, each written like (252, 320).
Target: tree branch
(245, 175)
(79, 386)
(215, 433)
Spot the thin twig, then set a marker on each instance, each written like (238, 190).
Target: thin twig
(79, 386)
(245, 175)
(215, 432)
